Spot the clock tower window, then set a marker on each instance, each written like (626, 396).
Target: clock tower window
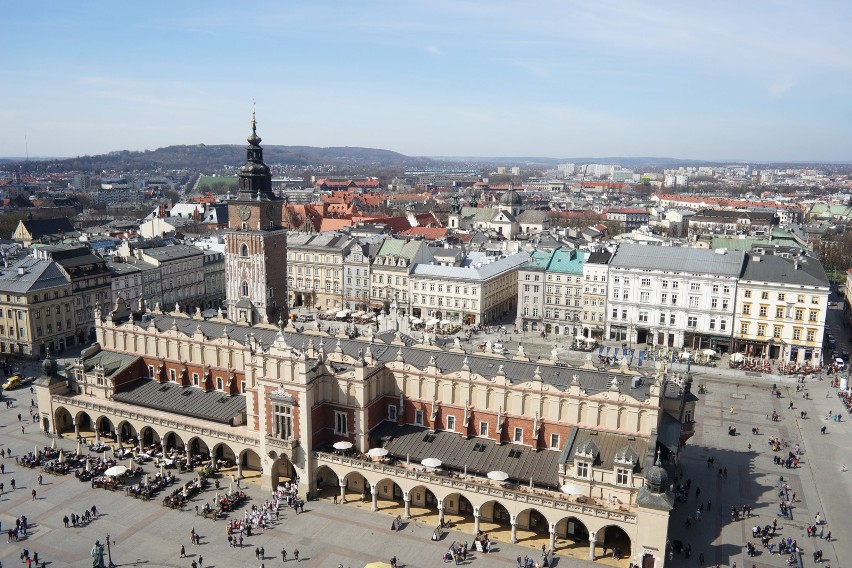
(244, 289)
(244, 250)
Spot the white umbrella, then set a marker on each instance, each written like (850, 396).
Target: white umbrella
(498, 475)
(162, 469)
(131, 464)
(431, 322)
(88, 465)
(709, 352)
(377, 452)
(431, 462)
(115, 471)
(571, 489)
(78, 447)
(445, 322)
(737, 357)
(343, 445)
(61, 456)
(53, 443)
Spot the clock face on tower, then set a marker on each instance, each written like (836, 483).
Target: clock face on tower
(244, 211)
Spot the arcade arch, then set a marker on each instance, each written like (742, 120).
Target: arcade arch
(63, 421)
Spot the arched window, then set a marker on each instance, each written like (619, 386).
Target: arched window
(244, 250)
(245, 289)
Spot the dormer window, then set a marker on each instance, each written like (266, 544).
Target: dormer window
(582, 469)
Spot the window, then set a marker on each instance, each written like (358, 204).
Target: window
(746, 309)
(220, 385)
(195, 379)
(418, 417)
(674, 299)
(582, 469)
(723, 324)
(150, 371)
(282, 421)
(761, 330)
(244, 289)
(744, 329)
(781, 297)
(800, 298)
(451, 423)
(715, 288)
(764, 295)
(341, 424)
(714, 303)
(644, 297)
(776, 331)
(691, 321)
(672, 319)
(392, 412)
(800, 315)
(172, 375)
(779, 312)
(645, 282)
(621, 476)
(797, 334)
(483, 428)
(662, 318)
(694, 286)
(712, 323)
(643, 317)
(810, 335)
(693, 301)
(244, 250)
(519, 435)
(554, 441)
(812, 316)
(762, 311)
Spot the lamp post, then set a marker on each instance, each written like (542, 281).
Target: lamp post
(109, 553)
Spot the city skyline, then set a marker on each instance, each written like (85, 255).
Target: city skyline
(763, 81)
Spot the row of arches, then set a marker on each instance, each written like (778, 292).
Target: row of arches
(125, 433)
(525, 524)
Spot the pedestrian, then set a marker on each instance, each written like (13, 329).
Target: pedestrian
(200, 561)
(13, 484)
(262, 553)
(34, 494)
(256, 552)
(828, 536)
(732, 410)
(23, 432)
(40, 479)
(283, 555)
(296, 554)
(182, 552)
(65, 520)
(241, 541)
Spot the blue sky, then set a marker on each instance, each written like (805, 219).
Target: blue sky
(729, 79)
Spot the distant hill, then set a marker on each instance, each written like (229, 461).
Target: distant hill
(212, 158)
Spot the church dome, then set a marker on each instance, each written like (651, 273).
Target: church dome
(49, 366)
(657, 477)
(511, 198)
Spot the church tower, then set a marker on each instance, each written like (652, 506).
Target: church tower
(255, 244)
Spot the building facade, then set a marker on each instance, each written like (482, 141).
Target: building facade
(36, 308)
(594, 294)
(391, 270)
(315, 269)
(781, 306)
(356, 269)
(470, 289)
(672, 296)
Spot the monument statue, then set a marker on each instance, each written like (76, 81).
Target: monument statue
(98, 555)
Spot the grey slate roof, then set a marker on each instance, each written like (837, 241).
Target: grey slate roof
(606, 447)
(186, 401)
(678, 259)
(773, 268)
(174, 252)
(38, 228)
(480, 455)
(111, 361)
(37, 275)
(471, 268)
(560, 377)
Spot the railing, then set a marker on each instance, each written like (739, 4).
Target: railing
(151, 418)
(539, 498)
(285, 444)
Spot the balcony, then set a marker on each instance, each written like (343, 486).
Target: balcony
(469, 484)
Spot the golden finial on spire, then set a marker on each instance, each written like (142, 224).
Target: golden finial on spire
(253, 121)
